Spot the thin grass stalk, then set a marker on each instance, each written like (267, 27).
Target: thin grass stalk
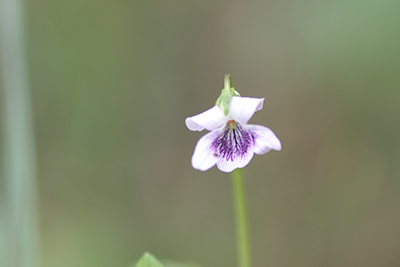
(20, 188)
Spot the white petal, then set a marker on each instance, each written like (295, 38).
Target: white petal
(238, 162)
(243, 108)
(264, 139)
(210, 119)
(204, 156)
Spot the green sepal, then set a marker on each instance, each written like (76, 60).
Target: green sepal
(224, 100)
(148, 260)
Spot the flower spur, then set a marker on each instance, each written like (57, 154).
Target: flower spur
(231, 142)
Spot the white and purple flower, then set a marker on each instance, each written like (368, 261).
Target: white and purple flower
(232, 142)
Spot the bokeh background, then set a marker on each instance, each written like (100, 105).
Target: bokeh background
(113, 81)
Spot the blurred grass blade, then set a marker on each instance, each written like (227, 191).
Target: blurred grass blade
(148, 260)
(170, 263)
(20, 227)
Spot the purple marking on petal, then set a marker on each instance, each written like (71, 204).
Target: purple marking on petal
(234, 141)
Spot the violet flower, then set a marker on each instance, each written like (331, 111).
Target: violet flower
(232, 142)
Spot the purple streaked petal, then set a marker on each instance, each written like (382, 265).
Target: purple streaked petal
(243, 108)
(239, 161)
(234, 140)
(234, 147)
(204, 156)
(210, 119)
(264, 139)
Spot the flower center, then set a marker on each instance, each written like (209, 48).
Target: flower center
(234, 141)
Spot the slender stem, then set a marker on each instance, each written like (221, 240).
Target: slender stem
(242, 228)
(20, 234)
(228, 82)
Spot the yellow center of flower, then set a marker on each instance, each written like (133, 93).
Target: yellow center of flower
(232, 124)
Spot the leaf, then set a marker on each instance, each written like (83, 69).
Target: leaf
(169, 263)
(148, 260)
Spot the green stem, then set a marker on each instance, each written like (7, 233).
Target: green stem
(228, 82)
(242, 228)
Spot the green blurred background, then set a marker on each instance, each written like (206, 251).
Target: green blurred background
(113, 81)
